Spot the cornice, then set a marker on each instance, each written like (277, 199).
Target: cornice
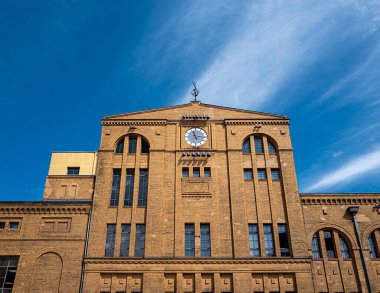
(340, 199)
(44, 210)
(195, 261)
(133, 122)
(256, 121)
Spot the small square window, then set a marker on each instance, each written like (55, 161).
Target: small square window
(261, 174)
(207, 172)
(196, 172)
(248, 174)
(72, 170)
(275, 174)
(185, 172)
(13, 225)
(2, 225)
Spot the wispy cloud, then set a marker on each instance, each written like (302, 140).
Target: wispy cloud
(354, 168)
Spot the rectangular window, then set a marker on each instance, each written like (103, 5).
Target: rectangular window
(143, 188)
(189, 240)
(254, 243)
(110, 240)
(207, 172)
(316, 252)
(73, 170)
(185, 172)
(329, 242)
(372, 246)
(14, 225)
(275, 174)
(248, 174)
(268, 240)
(259, 147)
(205, 240)
(132, 145)
(8, 268)
(114, 201)
(196, 172)
(2, 225)
(284, 241)
(129, 186)
(261, 174)
(125, 238)
(140, 240)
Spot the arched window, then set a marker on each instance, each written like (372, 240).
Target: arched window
(246, 149)
(144, 146)
(330, 245)
(372, 245)
(259, 147)
(344, 248)
(315, 247)
(271, 148)
(120, 147)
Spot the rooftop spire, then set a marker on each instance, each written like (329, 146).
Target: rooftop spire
(195, 91)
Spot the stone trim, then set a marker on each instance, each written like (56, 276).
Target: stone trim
(137, 123)
(45, 210)
(253, 122)
(339, 200)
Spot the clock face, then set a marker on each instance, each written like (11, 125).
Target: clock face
(195, 137)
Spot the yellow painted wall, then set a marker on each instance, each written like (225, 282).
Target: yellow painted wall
(86, 161)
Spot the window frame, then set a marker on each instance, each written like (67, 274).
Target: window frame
(248, 171)
(71, 169)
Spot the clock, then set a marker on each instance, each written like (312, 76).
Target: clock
(195, 137)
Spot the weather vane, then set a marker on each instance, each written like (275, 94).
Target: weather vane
(195, 91)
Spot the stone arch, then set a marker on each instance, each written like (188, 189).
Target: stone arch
(368, 231)
(47, 273)
(134, 133)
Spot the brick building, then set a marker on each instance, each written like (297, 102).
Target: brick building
(189, 198)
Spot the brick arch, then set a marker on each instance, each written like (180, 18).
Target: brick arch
(47, 273)
(134, 133)
(346, 234)
(368, 231)
(269, 138)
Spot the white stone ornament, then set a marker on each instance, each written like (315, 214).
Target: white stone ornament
(195, 137)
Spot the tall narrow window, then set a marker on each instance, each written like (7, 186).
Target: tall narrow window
(315, 247)
(143, 188)
(246, 149)
(248, 174)
(205, 240)
(372, 246)
(275, 174)
(268, 240)
(207, 172)
(120, 147)
(132, 145)
(140, 240)
(124, 240)
(284, 242)
(129, 186)
(196, 172)
(344, 248)
(329, 242)
(261, 174)
(144, 146)
(189, 240)
(110, 240)
(185, 172)
(271, 148)
(8, 268)
(259, 147)
(254, 243)
(115, 188)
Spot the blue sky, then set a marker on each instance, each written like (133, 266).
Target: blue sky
(66, 64)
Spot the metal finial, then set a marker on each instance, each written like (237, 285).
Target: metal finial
(195, 91)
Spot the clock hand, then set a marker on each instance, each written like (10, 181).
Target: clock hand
(195, 135)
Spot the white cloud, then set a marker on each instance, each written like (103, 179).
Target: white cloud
(353, 169)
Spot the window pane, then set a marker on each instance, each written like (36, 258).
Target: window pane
(254, 243)
(268, 240)
(2, 225)
(185, 172)
(196, 172)
(329, 242)
(246, 149)
(205, 240)
(189, 240)
(344, 248)
(110, 240)
(114, 201)
(315, 247)
(284, 242)
(73, 170)
(275, 174)
(144, 146)
(261, 174)
(259, 147)
(248, 174)
(143, 188)
(125, 238)
(271, 148)
(120, 147)
(129, 186)
(140, 240)
(372, 246)
(132, 145)
(207, 172)
(8, 267)
(14, 225)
